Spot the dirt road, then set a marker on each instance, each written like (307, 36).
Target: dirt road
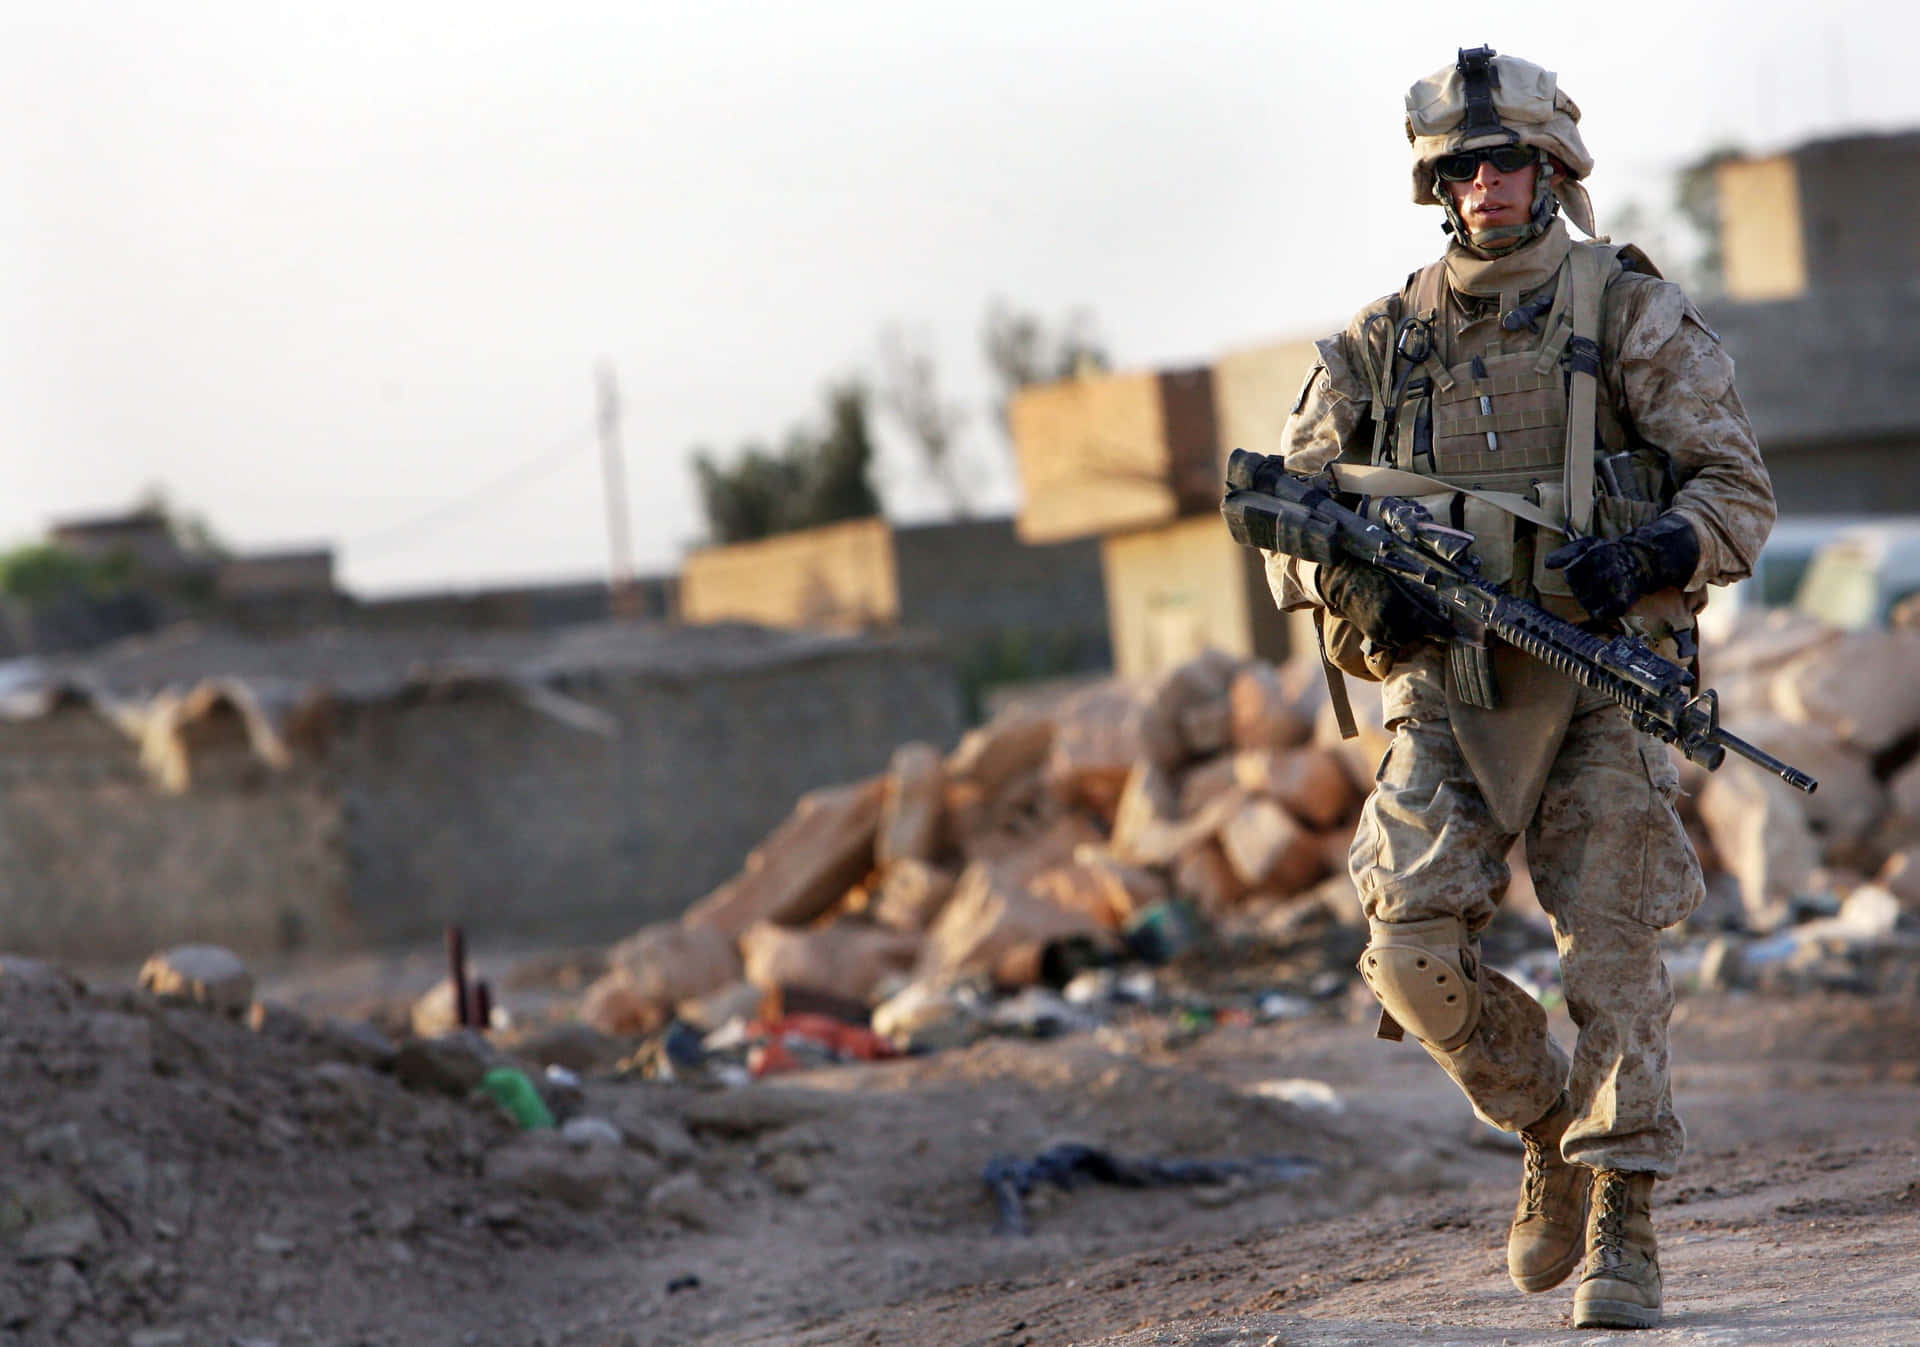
(167, 1178)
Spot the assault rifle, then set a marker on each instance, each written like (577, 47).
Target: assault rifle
(1268, 507)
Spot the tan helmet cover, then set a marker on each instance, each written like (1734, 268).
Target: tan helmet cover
(1528, 102)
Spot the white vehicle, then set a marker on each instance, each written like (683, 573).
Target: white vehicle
(1846, 570)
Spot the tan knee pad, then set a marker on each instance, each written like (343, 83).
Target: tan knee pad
(1426, 978)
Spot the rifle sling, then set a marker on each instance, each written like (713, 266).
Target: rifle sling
(1367, 480)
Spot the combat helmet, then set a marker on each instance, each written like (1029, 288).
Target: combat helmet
(1484, 100)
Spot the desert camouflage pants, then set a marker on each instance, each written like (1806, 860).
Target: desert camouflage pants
(1612, 866)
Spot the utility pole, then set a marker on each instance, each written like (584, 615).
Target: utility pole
(623, 599)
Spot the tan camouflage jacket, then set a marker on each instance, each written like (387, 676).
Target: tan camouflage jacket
(1665, 376)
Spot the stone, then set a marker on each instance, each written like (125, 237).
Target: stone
(1759, 830)
(203, 975)
(848, 959)
(1207, 727)
(1019, 856)
(1850, 800)
(924, 1017)
(1261, 714)
(59, 1144)
(49, 1219)
(436, 1012)
(18, 971)
(670, 962)
(987, 918)
(1007, 747)
(804, 867)
(544, 1164)
(358, 1041)
(1269, 849)
(910, 894)
(1203, 874)
(590, 1131)
(664, 1138)
(736, 1001)
(910, 806)
(1098, 890)
(1206, 781)
(1313, 783)
(1147, 830)
(450, 1064)
(615, 1006)
(1861, 685)
(789, 1172)
(685, 1199)
(578, 1047)
(1097, 739)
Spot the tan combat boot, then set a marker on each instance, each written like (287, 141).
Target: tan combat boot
(1549, 1224)
(1621, 1286)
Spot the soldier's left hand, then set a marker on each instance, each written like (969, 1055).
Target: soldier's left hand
(1609, 576)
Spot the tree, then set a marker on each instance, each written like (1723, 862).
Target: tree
(817, 477)
(910, 390)
(1696, 197)
(1022, 350)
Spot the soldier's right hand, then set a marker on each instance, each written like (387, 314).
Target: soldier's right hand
(1392, 617)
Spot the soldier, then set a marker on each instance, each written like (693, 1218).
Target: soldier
(1575, 412)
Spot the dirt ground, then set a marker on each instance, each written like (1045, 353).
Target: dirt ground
(167, 1177)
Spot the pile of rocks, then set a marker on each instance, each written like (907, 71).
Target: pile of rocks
(1215, 784)
(1833, 878)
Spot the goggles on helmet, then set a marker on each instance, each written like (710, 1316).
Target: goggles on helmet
(1462, 167)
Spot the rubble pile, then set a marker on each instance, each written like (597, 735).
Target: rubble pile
(1048, 842)
(1052, 841)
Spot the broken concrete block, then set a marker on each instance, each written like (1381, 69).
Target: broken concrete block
(1313, 783)
(910, 805)
(1097, 890)
(202, 975)
(847, 959)
(669, 962)
(1850, 800)
(1018, 857)
(1096, 741)
(1261, 714)
(436, 1012)
(1862, 685)
(1207, 727)
(1142, 887)
(1004, 748)
(1360, 755)
(1148, 830)
(614, 1005)
(1269, 849)
(823, 849)
(1203, 874)
(1759, 830)
(985, 919)
(910, 894)
(1204, 782)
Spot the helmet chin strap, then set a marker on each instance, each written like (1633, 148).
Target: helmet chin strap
(1501, 239)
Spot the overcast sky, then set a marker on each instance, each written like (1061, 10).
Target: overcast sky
(341, 272)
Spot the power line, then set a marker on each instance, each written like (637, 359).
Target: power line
(526, 471)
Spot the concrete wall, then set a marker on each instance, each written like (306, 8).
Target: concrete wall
(1175, 591)
(97, 864)
(839, 576)
(466, 804)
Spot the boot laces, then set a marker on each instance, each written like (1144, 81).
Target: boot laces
(1533, 1181)
(1610, 1234)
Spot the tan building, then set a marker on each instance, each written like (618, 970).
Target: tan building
(1823, 215)
(1136, 460)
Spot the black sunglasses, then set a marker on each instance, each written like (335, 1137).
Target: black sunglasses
(1462, 167)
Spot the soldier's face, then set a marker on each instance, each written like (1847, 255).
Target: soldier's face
(1491, 199)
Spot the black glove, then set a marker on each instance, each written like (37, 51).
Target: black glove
(1389, 613)
(1610, 576)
